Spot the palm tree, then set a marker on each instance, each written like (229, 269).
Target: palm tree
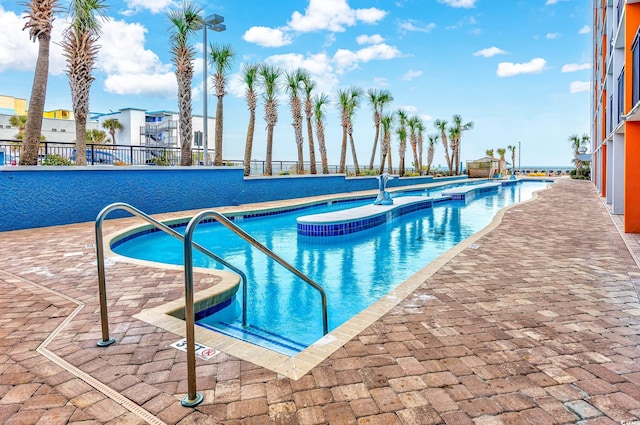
(95, 136)
(386, 121)
(433, 139)
(293, 86)
(20, 121)
(112, 124)
(378, 100)
(442, 126)
(512, 148)
(454, 137)
(250, 75)
(355, 93)
(455, 144)
(413, 139)
(270, 75)
(402, 136)
(501, 153)
(319, 101)
(577, 143)
(309, 85)
(81, 51)
(489, 153)
(221, 59)
(420, 129)
(40, 22)
(343, 103)
(185, 22)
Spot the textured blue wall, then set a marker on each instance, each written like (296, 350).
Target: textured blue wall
(47, 196)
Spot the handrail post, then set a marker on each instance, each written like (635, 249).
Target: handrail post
(193, 398)
(102, 286)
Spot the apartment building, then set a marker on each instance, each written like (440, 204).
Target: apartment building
(139, 127)
(615, 126)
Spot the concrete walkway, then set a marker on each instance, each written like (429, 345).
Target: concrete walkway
(537, 322)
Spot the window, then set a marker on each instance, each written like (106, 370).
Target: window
(620, 95)
(635, 82)
(197, 138)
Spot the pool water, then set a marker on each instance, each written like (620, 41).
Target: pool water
(356, 270)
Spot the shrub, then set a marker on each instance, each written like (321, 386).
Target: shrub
(54, 159)
(368, 172)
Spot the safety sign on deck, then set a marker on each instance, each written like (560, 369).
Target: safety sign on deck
(202, 351)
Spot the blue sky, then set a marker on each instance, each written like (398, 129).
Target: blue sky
(518, 69)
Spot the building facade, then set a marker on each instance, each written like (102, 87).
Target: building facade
(139, 127)
(615, 106)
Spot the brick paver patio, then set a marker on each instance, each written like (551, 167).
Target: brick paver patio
(535, 323)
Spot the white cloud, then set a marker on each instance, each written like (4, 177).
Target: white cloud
(489, 52)
(19, 53)
(154, 6)
(551, 2)
(573, 67)
(585, 30)
(410, 109)
(319, 66)
(156, 85)
(552, 35)
(266, 37)
(332, 15)
(413, 25)
(426, 118)
(459, 3)
(411, 74)
(380, 82)
(369, 39)
(130, 68)
(467, 20)
(510, 69)
(579, 86)
(348, 59)
(122, 49)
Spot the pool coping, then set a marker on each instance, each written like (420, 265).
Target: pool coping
(293, 367)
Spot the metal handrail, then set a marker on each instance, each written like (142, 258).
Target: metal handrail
(193, 398)
(159, 225)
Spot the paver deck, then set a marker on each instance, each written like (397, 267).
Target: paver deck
(536, 322)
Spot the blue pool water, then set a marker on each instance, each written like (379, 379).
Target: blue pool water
(356, 270)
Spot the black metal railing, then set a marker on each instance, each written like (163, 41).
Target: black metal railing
(108, 154)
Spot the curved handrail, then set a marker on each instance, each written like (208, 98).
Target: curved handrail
(159, 225)
(220, 218)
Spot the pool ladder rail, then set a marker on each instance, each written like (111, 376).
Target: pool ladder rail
(192, 398)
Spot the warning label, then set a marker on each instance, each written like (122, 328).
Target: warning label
(202, 351)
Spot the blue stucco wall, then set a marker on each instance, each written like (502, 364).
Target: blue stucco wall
(47, 196)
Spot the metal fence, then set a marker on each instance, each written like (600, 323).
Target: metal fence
(108, 154)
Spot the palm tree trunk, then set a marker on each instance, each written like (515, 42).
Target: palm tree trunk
(267, 170)
(33, 129)
(389, 159)
(312, 149)
(343, 150)
(217, 159)
(81, 139)
(353, 152)
(248, 147)
(414, 148)
(375, 147)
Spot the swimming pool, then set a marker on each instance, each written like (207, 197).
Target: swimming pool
(356, 270)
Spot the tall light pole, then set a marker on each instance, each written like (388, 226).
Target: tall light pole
(213, 22)
(519, 153)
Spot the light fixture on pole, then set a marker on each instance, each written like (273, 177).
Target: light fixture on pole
(213, 22)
